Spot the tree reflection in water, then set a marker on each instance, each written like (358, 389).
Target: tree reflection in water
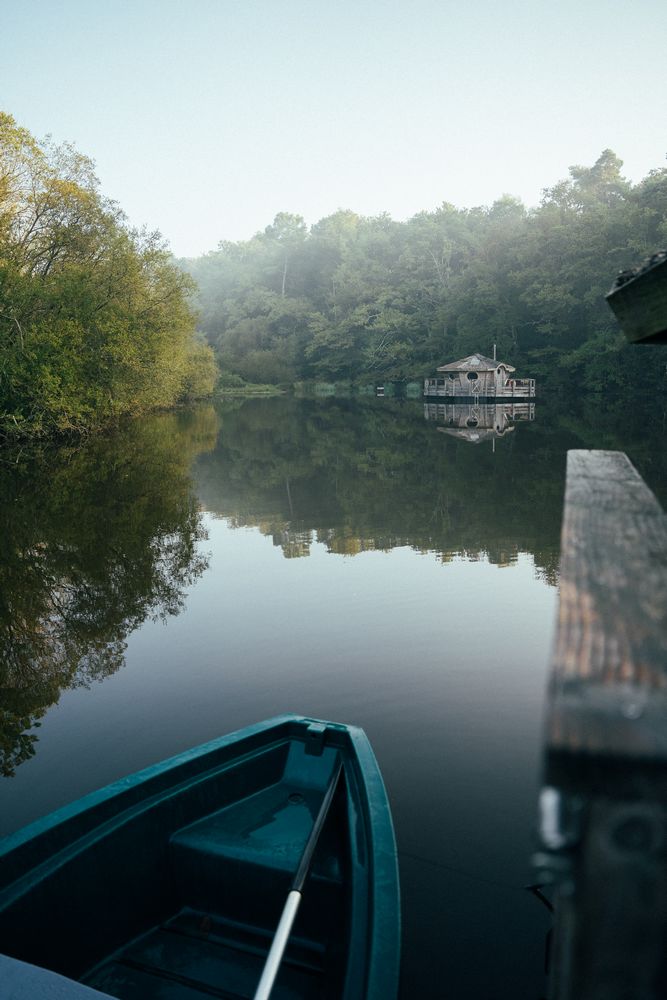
(94, 540)
(358, 476)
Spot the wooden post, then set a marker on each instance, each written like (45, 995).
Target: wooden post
(603, 823)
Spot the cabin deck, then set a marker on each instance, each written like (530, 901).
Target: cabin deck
(519, 388)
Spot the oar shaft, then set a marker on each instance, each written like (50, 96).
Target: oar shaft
(307, 857)
(284, 929)
(281, 937)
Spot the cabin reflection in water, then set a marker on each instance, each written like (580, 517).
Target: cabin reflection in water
(476, 422)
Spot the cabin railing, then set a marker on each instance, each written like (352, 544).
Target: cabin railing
(512, 389)
(603, 807)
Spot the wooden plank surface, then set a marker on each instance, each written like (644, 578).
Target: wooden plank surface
(640, 305)
(611, 911)
(608, 686)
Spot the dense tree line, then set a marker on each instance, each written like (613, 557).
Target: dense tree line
(95, 318)
(370, 298)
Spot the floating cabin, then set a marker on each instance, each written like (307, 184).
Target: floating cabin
(479, 377)
(477, 422)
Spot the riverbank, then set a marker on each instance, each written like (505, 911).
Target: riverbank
(250, 390)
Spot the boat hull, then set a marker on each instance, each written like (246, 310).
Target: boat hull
(170, 883)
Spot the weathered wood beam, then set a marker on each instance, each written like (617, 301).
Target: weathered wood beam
(608, 688)
(604, 803)
(639, 302)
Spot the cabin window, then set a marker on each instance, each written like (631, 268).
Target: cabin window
(472, 376)
(471, 422)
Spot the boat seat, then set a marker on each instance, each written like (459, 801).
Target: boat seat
(21, 981)
(252, 846)
(269, 827)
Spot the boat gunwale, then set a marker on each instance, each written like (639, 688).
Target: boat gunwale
(99, 813)
(109, 795)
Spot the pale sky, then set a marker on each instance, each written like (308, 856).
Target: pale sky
(207, 117)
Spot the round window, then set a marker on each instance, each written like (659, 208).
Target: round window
(472, 376)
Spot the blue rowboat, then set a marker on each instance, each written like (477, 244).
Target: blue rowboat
(261, 864)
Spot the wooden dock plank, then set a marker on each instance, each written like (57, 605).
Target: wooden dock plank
(608, 688)
(603, 825)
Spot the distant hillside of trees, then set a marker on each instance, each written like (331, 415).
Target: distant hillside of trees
(95, 318)
(372, 299)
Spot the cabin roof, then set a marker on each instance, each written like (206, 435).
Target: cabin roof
(475, 363)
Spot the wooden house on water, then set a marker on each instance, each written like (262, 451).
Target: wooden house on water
(478, 377)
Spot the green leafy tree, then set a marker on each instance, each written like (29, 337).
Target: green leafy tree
(95, 318)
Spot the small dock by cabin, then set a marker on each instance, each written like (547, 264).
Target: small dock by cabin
(478, 377)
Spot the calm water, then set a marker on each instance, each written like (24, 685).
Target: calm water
(197, 572)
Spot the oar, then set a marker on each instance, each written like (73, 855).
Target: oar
(284, 929)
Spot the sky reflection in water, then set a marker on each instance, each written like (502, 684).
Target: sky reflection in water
(357, 565)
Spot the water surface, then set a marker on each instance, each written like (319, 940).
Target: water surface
(365, 562)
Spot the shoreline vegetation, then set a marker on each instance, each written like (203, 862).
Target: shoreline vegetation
(99, 321)
(250, 390)
(230, 385)
(96, 320)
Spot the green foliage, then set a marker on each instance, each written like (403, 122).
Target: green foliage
(95, 318)
(370, 298)
(200, 374)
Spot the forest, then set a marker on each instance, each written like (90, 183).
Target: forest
(96, 321)
(371, 299)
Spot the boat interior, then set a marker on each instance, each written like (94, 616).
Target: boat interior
(181, 897)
